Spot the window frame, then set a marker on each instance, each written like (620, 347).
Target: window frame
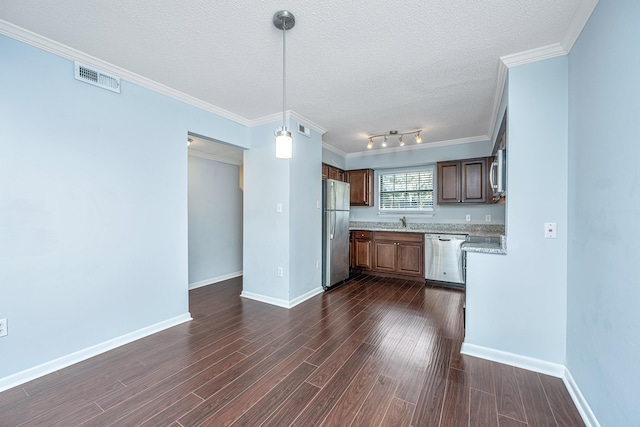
(408, 211)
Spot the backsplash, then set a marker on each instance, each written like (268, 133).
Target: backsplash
(472, 229)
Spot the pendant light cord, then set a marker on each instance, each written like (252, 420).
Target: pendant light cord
(284, 72)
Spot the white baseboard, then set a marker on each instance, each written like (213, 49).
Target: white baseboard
(302, 298)
(263, 298)
(281, 302)
(213, 280)
(587, 414)
(540, 366)
(78, 356)
(512, 359)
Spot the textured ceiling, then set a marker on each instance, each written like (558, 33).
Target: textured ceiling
(354, 68)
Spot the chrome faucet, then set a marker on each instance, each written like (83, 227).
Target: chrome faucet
(403, 220)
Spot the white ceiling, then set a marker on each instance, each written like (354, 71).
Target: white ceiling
(354, 68)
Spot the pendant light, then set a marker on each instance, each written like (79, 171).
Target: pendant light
(284, 20)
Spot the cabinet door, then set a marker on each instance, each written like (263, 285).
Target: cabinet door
(410, 258)
(361, 187)
(474, 181)
(449, 182)
(325, 171)
(384, 256)
(334, 173)
(362, 250)
(352, 251)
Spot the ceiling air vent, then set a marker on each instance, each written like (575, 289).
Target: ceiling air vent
(95, 77)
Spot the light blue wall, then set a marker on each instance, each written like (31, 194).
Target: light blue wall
(516, 303)
(421, 157)
(333, 159)
(604, 284)
(266, 232)
(290, 239)
(215, 220)
(93, 207)
(306, 217)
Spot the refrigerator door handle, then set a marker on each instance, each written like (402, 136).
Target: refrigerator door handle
(332, 225)
(334, 190)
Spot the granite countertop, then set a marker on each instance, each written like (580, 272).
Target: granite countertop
(484, 238)
(486, 245)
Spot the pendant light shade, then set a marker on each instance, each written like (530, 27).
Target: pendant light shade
(284, 20)
(284, 144)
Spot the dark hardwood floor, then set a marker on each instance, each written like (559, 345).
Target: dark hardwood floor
(373, 352)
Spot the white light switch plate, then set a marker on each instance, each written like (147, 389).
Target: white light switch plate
(550, 230)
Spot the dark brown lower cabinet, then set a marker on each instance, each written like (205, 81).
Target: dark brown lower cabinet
(400, 254)
(386, 253)
(362, 249)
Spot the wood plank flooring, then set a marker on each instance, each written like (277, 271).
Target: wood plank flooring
(373, 352)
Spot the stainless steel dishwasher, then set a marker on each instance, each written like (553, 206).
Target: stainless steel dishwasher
(444, 259)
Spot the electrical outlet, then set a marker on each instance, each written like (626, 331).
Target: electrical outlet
(3, 328)
(468, 218)
(280, 272)
(318, 265)
(487, 218)
(279, 207)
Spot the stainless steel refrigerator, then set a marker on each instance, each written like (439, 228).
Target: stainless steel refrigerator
(335, 232)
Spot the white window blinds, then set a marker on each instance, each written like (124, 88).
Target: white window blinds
(407, 191)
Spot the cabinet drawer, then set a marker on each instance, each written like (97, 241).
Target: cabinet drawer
(399, 237)
(359, 234)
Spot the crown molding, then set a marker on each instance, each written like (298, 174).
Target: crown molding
(333, 149)
(272, 118)
(209, 156)
(579, 20)
(41, 42)
(306, 122)
(503, 72)
(423, 146)
(533, 55)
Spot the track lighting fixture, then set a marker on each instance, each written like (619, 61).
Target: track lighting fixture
(400, 136)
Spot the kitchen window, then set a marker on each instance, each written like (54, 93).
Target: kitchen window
(406, 191)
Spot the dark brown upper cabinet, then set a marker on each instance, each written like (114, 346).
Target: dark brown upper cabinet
(463, 181)
(361, 187)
